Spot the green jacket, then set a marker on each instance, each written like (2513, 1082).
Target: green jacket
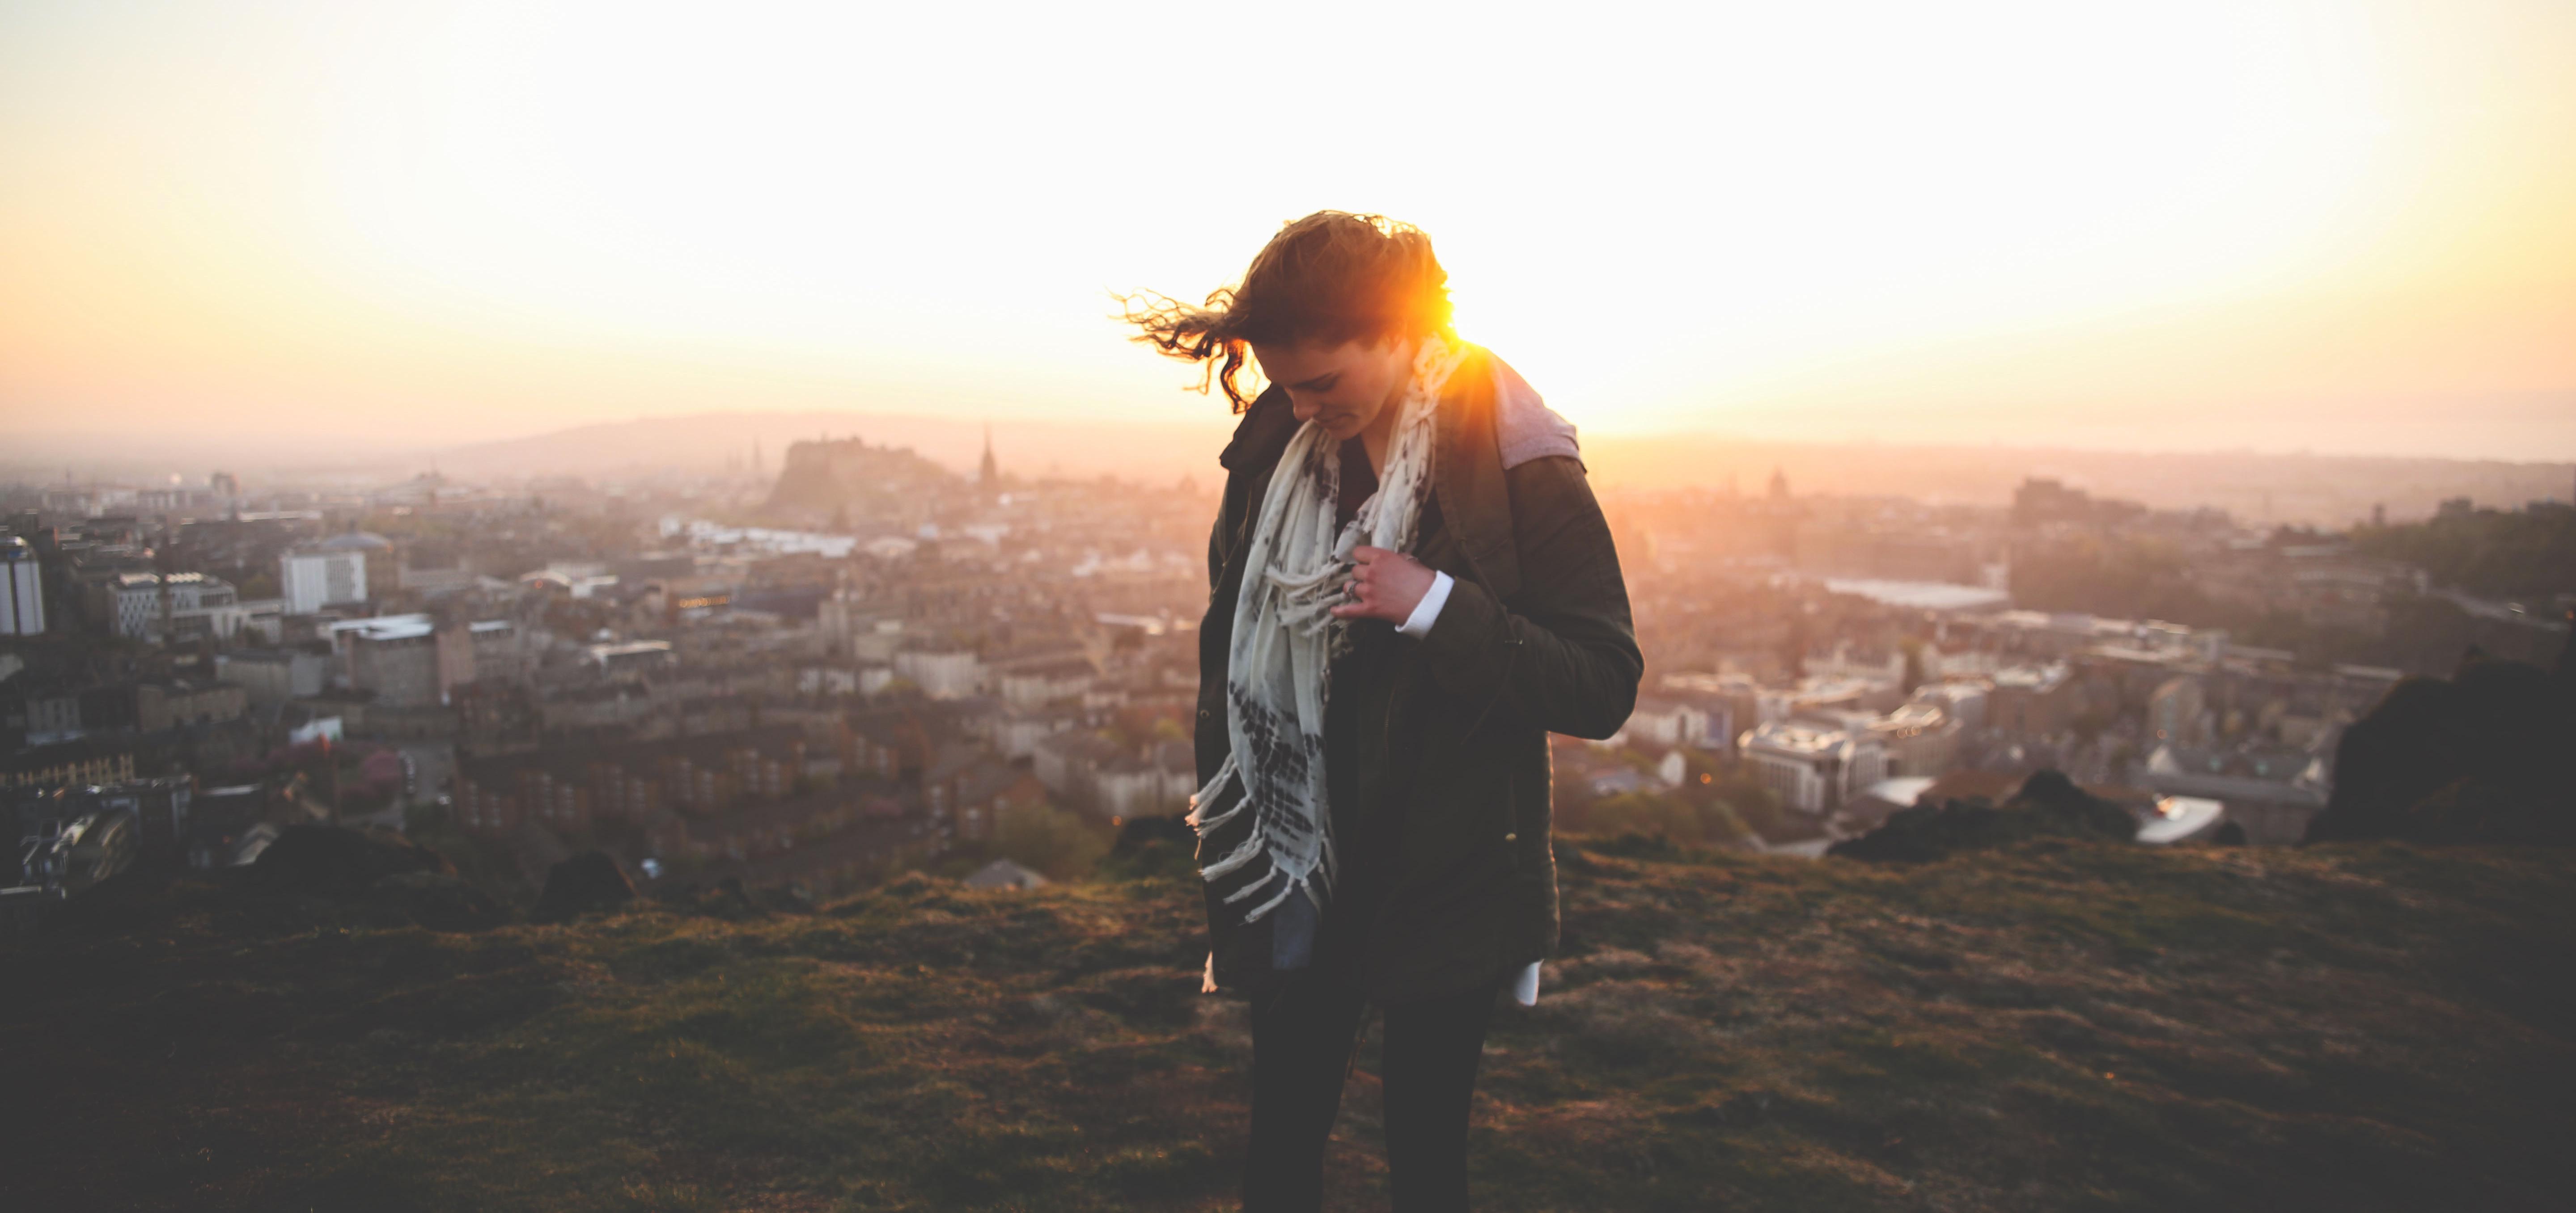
(1535, 638)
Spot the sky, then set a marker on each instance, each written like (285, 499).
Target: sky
(2332, 227)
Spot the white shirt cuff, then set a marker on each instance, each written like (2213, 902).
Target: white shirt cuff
(1427, 611)
(1525, 986)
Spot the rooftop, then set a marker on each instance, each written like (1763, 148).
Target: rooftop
(1798, 740)
(1919, 595)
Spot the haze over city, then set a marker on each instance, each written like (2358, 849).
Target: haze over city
(303, 232)
(601, 608)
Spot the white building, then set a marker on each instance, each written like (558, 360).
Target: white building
(1675, 722)
(22, 595)
(631, 659)
(132, 604)
(1920, 740)
(1037, 684)
(1814, 767)
(1963, 700)
(942, 675)
(135, 602)
(315, 577)
(1018, 731)
(264, 618)
(846, 678)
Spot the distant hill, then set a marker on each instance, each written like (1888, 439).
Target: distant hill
(2323, 490)
(2058, 1024)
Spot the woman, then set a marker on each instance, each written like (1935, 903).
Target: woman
(1413, 586)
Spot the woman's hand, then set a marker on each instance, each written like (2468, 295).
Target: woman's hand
(1384, 584)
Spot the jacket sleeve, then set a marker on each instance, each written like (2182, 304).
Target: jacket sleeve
(1564, 652)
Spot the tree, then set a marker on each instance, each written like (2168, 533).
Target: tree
(1056, 843)
(2528, 554)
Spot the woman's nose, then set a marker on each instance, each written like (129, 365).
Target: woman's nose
(1303, 409)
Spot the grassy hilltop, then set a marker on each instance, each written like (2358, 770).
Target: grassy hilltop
(2057, 1025)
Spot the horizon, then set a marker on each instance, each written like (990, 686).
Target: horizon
(2314, 489)
(2208, 229)
(52, 447)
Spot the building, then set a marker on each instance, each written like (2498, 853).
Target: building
(175, 702)
(2178, 713)
(1963, 700)
(395, 656)
(322, 574)
(941, 675)
(845, 678)
(1160, 783)
(852, 628)
(1738, 697)
(1070, 765)
(1039, 683)
(272, 676)
(145, 606)
(2271, 795)
(974, 795)
(263, 618)
(630, 660)
(2032, 699)
(1665, 722)
(129, 604)
(1920, 739)
(652, 785)
(483, 651)
(22, 589)
(1016, 732)
(49, 711)
(1814, 768)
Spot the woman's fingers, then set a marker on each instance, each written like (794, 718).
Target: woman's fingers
(1359, 593)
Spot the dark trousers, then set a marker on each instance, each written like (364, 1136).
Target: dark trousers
(1304, 1042)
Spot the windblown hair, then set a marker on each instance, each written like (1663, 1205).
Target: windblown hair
(1325, 279)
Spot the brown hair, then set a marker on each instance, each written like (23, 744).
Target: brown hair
(1328, 278)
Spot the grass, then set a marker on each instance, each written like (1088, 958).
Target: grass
(2059, 1025)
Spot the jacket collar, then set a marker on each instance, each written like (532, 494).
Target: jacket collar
(1263, 434)
(1466, 466)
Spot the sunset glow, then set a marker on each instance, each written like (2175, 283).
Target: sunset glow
(2284, 226)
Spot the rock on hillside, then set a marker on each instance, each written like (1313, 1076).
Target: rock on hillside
(2048, 804)
(2488, 755)
(2055, 1024)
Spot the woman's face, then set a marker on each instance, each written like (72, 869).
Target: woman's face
(1343, 388)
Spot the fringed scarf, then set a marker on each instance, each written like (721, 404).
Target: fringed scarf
(1279, 663)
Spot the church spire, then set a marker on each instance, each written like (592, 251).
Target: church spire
(988, 471)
